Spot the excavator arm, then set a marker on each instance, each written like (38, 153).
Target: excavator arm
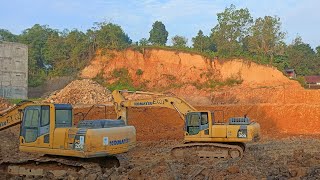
(13, 116)
(161, 100)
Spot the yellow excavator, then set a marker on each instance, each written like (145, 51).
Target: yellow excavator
(48, 129)
(204, 136)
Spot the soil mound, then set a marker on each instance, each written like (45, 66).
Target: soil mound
(84, 91)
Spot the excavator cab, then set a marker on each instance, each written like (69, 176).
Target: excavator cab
(39, 120)
(196, 122)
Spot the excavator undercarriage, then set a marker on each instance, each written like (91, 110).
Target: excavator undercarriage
(208, 151)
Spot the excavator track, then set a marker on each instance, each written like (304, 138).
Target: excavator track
(208, 150)
(45, 165)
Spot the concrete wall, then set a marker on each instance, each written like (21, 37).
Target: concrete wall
(13, 70)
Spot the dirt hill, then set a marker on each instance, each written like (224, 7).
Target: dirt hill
(159, 65)
(191, 76)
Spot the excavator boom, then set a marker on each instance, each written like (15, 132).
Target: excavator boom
(13, 115)
(176, 103)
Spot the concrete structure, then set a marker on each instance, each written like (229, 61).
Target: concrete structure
(13, 70)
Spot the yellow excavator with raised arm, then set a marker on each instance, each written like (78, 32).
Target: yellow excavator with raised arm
(48, 129)
(204, 136)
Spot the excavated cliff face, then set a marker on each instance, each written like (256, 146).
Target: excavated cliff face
(161, 65)
(183, 73)
(160, 68)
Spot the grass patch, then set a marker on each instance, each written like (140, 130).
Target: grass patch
(100, 79)
(170, 77)
(139, 72)
(207, 54)
(212, 84)
(16, 101)
(123, 81)
(301, 80)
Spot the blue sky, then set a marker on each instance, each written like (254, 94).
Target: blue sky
(181, 17)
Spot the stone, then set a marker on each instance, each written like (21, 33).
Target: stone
(58, 173)
(92, 177)
(233, 169)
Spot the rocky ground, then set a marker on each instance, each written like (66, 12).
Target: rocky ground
(272, 159)
(293, 157)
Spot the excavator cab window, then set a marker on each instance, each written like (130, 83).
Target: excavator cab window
(36, 122)
(31, 123)
(63, 113)
(45, 122)
(45, 115)
(193, 123)
(196, 121)
(204, 121)
(63, 118)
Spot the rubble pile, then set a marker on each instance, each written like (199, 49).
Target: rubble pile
(4, 104)
(84, 91)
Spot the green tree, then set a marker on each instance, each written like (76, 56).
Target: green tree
(36, 38)
(266, 37)
(54, 50)
(110, 36)
(318, 50)
(302, 57)
(203, 43)
(232, 27)
(143, 42)
(6, 35)
(158, 34)
(92, 41)
(179, 41)
(78, 45)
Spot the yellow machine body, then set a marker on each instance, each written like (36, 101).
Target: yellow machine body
(200, 126)
(48, 129)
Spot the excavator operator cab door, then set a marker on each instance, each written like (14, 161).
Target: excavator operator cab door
(35, 127)
(197, 122)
